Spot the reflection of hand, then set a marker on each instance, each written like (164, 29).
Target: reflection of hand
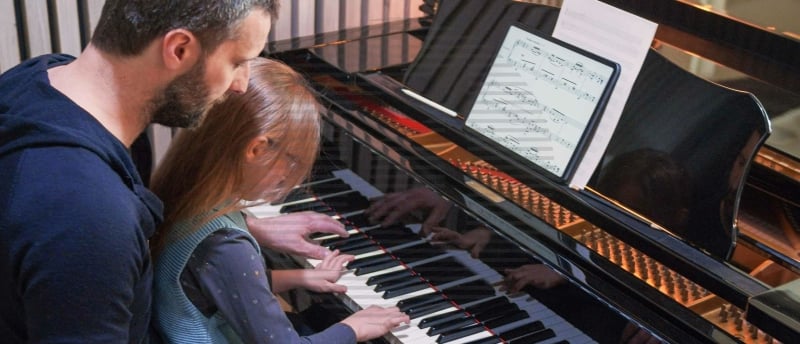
(390, 208)
(633, 334)
(289, 233)
(374, 321)
(474, 240)
(536, 275)
(324, 276)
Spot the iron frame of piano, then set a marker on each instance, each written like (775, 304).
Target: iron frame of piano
(649, 307)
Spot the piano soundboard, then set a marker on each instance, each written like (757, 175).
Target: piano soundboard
(450, 297)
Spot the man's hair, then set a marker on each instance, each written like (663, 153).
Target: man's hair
(126, 27)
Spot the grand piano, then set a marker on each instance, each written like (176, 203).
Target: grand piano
(709, 258)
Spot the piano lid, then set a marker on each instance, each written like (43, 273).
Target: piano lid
(681, 150)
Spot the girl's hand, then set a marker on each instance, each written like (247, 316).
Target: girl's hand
(323, 277)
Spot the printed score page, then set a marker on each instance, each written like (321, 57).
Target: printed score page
(618, 36)
(538, 99)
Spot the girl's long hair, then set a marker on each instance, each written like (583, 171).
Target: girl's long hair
(201, 175)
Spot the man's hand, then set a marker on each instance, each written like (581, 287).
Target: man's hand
(289, 233)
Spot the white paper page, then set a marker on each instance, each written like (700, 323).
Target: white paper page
(618, 36)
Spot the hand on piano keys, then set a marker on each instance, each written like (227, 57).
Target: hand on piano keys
(289, 232)
(325, 275)
(449, 296)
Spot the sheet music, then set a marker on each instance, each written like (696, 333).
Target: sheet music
(618, 36)
(538, 99)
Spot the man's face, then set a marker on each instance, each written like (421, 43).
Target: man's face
(226, 69)
(185, 100)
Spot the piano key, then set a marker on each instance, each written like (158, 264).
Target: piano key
(512, 333)
(352, 243)
(396, 284)
(534, 337)
(466, 318)
(420, 300)
(423, 310)
(481, 326)
(378, 279)
(405, 290)
(380, 267)
(416, 252)
(465, 312)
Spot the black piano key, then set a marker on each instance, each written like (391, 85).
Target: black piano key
(419, 300)
(388, 276)
(453, 329)
(470, 291)
(361, 249)
(444, 277)
(397, 284)
(356, 220)
(296, 195)
(330, 186)
(395, 232)
(482, 326)
(332, 242)
(417, 252)
(316, 206)
(535, 337)
(520, 331)
(392, 293)
(487, 340)
(450, 326)
(389, 241)
(419, 311)
(454, 325)
(377, 267)
(347, 202)
(371, 260)
(352, 244)
(432, 280)
(462, 313)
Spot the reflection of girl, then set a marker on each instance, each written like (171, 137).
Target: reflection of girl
(211, 282)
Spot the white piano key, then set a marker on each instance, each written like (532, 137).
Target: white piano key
(359, 295)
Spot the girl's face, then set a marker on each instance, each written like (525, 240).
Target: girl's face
(263, 181)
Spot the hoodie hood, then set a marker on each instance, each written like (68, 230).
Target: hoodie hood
(53, 119)
(34, 114)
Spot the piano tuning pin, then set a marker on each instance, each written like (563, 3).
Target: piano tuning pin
(723, 314)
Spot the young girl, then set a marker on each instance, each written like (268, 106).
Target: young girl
(211, 283)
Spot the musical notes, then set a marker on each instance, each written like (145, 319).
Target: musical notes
(538, 98)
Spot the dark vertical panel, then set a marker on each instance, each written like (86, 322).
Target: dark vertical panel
(52, 20)
(365, 12)
(22, 30)
(319, 17)
(84, 26)
(295, 18)
(342, 18)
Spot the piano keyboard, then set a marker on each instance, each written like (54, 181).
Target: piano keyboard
(450, 296)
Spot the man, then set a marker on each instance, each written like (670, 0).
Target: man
(74, 215)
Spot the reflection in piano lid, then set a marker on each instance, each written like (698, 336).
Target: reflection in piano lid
(630, 267)
(451, 297)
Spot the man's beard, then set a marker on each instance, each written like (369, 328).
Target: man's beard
(184, 102)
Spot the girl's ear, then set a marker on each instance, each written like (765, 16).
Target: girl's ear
(257, 149)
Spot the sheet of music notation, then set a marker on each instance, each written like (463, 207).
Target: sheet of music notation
(538, 99)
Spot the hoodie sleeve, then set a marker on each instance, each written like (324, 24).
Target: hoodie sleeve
(77, 250)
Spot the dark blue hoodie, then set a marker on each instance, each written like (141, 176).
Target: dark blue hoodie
(74, 220)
